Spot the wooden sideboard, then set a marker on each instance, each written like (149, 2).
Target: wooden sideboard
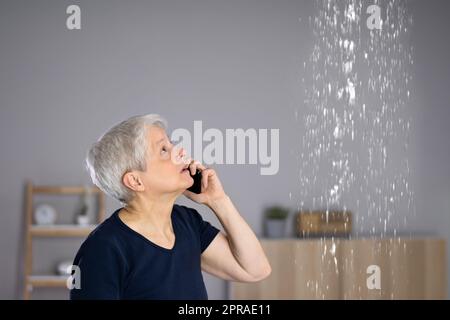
(409, 268)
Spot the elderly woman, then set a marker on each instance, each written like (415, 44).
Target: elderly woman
(152, 248)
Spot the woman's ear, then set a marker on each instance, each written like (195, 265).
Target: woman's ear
(133, 181)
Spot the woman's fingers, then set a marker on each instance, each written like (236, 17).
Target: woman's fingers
(194, 165)
(209, 180)
(206, 173)
(204, 179)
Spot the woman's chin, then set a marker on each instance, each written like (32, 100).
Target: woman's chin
(187, 182)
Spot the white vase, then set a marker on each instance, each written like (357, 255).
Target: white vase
(83, 220)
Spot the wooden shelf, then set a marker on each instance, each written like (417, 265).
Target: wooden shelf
(53, 281)
(63, 190)
(61, 230)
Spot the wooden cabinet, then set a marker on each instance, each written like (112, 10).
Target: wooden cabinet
(407, 268)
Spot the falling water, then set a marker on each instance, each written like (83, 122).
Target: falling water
(354, 151)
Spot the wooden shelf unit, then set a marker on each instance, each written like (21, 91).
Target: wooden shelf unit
(52, 231)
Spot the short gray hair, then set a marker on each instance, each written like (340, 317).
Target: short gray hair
(121, 149)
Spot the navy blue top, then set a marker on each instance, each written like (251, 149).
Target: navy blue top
(116, 262)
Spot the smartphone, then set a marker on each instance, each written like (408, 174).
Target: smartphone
(197, 186)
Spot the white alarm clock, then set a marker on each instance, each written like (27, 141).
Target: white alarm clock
(45, 215)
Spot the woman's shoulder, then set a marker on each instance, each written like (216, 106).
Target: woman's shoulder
(104, 235)
(102, 249)
(179, 208)
(188, 215)
(184, 212)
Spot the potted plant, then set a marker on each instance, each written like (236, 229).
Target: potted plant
(275, 219)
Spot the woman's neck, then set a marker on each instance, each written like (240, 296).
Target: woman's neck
(151, 213)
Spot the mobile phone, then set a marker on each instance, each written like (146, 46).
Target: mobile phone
(197, 186)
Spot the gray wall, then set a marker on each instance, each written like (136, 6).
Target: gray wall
(230, 64)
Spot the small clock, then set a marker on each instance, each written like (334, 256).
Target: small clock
(45, 215)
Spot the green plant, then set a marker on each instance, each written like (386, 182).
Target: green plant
(276, 213)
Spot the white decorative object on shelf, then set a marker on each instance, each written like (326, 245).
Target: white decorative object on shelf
(83, 213)
(83, 220)
(63, 267)
(45, 215)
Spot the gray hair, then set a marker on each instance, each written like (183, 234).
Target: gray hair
(121, 149)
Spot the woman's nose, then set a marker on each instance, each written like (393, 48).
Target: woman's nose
(185, 156)
(181, 154)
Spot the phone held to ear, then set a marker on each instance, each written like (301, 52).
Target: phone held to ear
(197, 186)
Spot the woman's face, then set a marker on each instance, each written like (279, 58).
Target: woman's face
(165, 165)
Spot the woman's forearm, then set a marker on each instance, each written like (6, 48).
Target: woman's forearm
(244, 244)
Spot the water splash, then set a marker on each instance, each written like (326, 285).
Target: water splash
(354, 150)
